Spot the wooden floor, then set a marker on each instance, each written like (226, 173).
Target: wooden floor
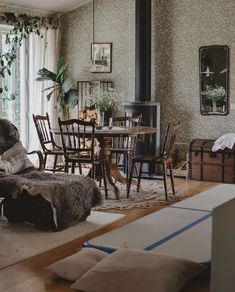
(30, 274)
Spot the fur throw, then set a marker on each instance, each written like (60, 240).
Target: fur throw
(71, 196)
(9, 135)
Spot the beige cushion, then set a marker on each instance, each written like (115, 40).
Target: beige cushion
(138, 271)
(74, 266)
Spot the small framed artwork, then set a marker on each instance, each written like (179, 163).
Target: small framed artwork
(101, 55)
(214, 79)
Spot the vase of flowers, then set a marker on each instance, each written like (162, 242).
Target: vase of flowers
(108, 103)
(214, 94)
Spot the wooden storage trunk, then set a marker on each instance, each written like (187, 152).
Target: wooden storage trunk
(210, 166)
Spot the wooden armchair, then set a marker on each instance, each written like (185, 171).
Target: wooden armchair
(49, 147)
(40, 159)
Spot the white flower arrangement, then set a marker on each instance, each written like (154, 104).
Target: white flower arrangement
(214, 93)
(108, 100)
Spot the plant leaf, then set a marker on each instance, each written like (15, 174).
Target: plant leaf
(45, 73)
(48, 88)
(60, 101)
(67, 85)
(13, 96)
(59, 76)
(71, 98)
(50, 94)
(59, 65)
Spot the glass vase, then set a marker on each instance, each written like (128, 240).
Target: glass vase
(101, 120)
(213, 106)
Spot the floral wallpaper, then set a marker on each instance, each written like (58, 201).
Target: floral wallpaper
(114, 23)
(179, 29)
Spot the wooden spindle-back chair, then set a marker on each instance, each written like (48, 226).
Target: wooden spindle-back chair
(164, 159)
(48, 144)
(78, 143)
(123, 145)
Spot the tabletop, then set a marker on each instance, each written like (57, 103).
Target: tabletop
(118, 131)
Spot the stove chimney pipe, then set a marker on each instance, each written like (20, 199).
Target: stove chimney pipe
(143, 51)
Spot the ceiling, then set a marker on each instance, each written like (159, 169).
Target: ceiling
(57, 6)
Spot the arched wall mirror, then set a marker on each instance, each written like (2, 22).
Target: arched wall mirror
(214, 80)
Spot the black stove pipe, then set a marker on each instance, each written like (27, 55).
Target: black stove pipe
(143, 51)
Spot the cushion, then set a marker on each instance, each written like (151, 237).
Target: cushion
(74, 266)
(134, 270)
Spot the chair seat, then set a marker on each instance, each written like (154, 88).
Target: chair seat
(147, 159)
(121, 150)
(54, 151)
(84, 159)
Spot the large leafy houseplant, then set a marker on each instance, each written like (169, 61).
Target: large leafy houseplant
(66, 95)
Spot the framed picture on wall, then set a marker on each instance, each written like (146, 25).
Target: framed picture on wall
(214, 79)
(101, 56)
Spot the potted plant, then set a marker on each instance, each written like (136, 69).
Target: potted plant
(214, 94)
(66, 94)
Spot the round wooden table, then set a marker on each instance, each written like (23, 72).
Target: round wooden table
(104, 137)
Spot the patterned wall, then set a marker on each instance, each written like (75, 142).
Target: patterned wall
(180, 27)
(114, 22)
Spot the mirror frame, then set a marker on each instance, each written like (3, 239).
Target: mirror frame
(227, 106)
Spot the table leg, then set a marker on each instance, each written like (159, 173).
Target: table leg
(112, 170)
(105, 143)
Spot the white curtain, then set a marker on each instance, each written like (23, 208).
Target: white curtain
(35, 54)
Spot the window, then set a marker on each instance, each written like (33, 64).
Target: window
(13, 104)
(10, 97)
(24, 95)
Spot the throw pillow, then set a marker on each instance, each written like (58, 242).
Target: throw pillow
(74, 266)
(133, 270)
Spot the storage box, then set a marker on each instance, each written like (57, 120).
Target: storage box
(206, 165)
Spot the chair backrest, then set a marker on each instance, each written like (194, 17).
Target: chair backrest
(169, 140)
(43, 127)
(123, 141)
(89, 113)
(91, 87)
(78, 138)
(127, 121)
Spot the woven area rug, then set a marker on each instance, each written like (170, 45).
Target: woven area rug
(22, 241)
(151, 194)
